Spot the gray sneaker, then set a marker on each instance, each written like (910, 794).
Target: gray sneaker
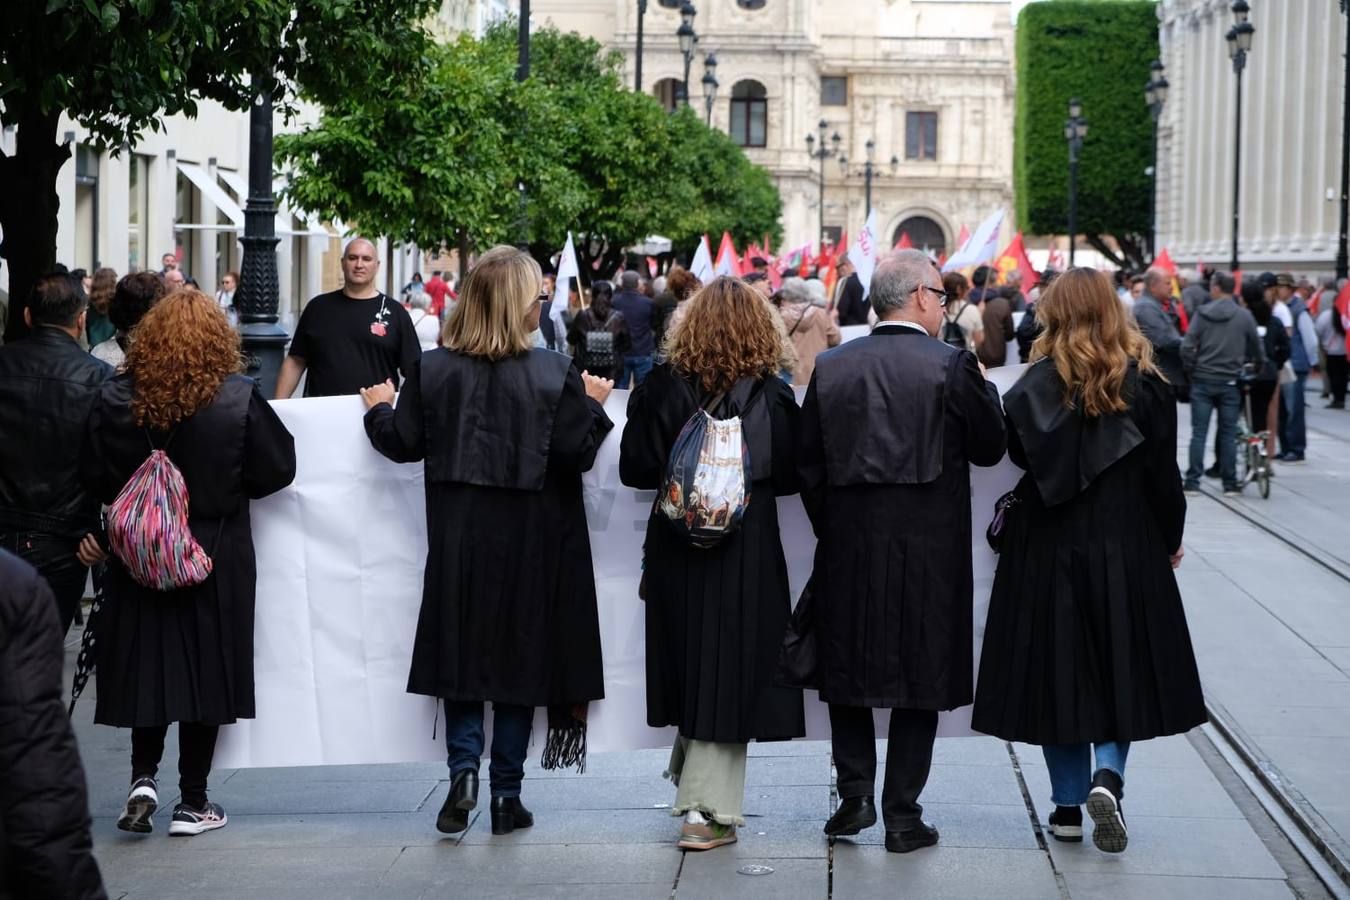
(189, 821)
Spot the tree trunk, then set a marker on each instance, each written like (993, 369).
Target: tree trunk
(28, 208)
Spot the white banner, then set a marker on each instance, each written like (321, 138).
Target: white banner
(340, 558)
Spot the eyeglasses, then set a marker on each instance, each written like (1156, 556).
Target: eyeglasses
(943, 296)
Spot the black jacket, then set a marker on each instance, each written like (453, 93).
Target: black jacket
(852, 302)
(48, 385)
(45, 848)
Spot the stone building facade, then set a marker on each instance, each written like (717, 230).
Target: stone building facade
(1291, 135)
(929, 82)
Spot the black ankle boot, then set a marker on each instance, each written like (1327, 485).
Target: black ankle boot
(508, 814)
(463, 797)
(854, 815)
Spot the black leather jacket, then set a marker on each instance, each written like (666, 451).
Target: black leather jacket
(48, 385)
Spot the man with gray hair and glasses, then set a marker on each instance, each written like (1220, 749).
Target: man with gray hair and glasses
(889, 428)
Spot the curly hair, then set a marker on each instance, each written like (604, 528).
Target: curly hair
(681, 283)
(1090, 339)
(101, 291)
(181, 352)
(729, 332)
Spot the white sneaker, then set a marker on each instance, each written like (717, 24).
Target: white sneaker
(142, 801)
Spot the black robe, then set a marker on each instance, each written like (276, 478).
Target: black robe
(1086, 638)
(716, 616)
(508, 601)
(187, 655)
(890, 426)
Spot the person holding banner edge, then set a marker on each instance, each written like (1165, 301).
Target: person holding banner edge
(506, 431)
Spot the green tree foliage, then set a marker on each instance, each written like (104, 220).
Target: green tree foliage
(1098, 51)
(438, 161)
(119, 66)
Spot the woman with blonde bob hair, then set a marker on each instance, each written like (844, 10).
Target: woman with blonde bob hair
(716, 615)
(508, 602)
(183, 655)
(1086, 647)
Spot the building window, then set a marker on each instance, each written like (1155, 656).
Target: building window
(750, 4)
(749, 114)
(185, 214)
(138, 203)
(924, 234)
(667, 93)
(670, 4)
(834, 90)
(921, 135)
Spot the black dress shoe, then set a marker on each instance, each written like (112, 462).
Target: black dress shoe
(921, 835)
(463, 797)
(508, 814)
(854, 814)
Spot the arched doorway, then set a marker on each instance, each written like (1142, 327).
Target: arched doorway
(749, 114)
(667, 93)
(924, 234)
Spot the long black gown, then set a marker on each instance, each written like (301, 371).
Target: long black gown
(508, 603)
(716, 616)
(187, 655)
(1086, 638)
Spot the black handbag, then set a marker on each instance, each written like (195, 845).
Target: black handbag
(798, 662)
(1003, 507)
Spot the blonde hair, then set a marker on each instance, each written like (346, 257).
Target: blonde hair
(1091, 340)
(729, 332)
(489, 319)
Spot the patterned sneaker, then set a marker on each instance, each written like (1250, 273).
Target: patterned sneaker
(189, 821)
(1103, 805)
(142, 801)
(705, 835)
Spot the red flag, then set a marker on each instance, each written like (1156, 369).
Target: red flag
(841, 248)
(1342, 307)
(651, 266)
(1164, 261)
(942, 260)
(728, 263)
(904, 243)
(1014, 257)
(962, 237)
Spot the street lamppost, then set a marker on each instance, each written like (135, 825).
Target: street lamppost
(1342, 252)
(1155, 94)
(710, 83)
(1239, 39)
(522, 74)
(264, 342)
(868, 172)
(637, 66)
(1075, 129)
(822, 153)
(686, 35)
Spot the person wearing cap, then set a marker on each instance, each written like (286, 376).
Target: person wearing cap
(1303, 359)
(1278, 307)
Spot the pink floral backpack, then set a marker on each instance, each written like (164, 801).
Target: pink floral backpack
(148, 527)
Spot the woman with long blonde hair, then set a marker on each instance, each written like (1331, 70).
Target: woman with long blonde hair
(1086, 647)
(183, 655)
(717, 614)
(508, 601)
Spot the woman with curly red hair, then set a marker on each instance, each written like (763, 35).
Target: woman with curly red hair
(183, 655)
(716, 615)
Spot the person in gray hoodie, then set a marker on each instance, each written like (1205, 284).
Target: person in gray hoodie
(1222, 339)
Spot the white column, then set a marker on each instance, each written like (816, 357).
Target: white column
(114, 210)
(203, 268)
(163, 180)
(65, 215)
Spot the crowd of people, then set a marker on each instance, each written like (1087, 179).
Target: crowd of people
(880, 451)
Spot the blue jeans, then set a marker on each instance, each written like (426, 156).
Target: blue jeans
(1206, 397)
(637, 368)
(1071, 769)
(510, 742)
(1293, 421)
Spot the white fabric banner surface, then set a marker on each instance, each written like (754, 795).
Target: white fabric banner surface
(340, 558)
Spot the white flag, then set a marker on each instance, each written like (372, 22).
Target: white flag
(702, 266)
(567, 270)
(981, 248)
(863, 253)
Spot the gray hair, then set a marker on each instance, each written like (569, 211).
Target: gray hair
(659, 284)
(816, 288)
(794, 290)
(897, 276)
(419, 300)
(630, 280)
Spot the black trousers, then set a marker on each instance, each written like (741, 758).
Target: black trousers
(909, 756)
(54, 558)
(1338, 372)
(196, 750)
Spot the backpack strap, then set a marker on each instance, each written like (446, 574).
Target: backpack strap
(150, 439)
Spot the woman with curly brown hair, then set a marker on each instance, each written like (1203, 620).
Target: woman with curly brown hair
(183, 655)
(716, 615)
(98, 325)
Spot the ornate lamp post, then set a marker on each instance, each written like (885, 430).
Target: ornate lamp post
(686, 36)
(822, 153)
(868, 172)
(1075, 129)
(1155, 94)
(1239, 39)
(264, 341)
(1342, 255)
(710, 83)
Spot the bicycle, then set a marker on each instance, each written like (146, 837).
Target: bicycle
(1253, 463)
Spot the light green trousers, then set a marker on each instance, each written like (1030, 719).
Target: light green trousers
(710, 778)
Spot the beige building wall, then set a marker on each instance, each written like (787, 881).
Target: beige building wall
(951, 57)
(1291, 132)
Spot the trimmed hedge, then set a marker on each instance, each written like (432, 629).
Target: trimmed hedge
(1098, 51)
